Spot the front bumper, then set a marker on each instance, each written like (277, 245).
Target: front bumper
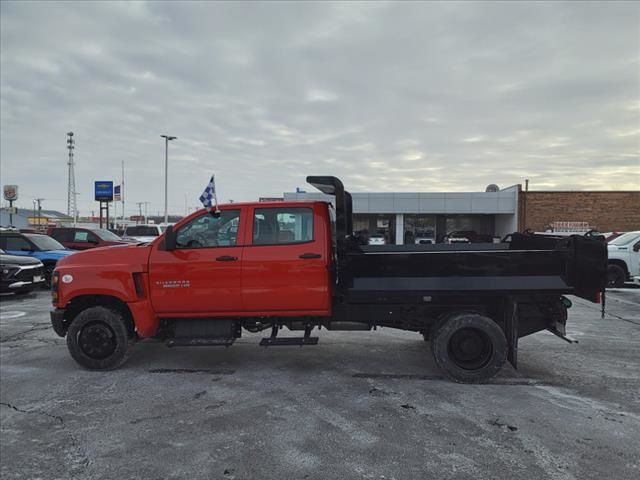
(59, 324)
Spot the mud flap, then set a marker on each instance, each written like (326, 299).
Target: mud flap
(511, 330)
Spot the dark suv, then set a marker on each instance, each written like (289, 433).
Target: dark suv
(78, 238)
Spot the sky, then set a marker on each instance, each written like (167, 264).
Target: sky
(407, 97)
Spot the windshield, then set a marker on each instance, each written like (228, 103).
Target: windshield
(163, 228)
(624, 239)
(106, 235)
(44, 242)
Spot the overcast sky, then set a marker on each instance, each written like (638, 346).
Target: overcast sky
(389, 97)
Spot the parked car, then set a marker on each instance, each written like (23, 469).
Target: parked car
(426, 237)
(78, 238)
(35, 245)
(144, 233)
(377, 239)
(624, 259)
(20, 274)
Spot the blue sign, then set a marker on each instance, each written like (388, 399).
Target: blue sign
(104, 191)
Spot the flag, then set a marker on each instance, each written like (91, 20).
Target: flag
(208, 197)
(117, 197)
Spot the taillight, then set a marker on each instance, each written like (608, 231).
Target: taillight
(55, 280)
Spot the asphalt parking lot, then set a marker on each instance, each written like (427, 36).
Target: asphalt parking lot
(358, 405)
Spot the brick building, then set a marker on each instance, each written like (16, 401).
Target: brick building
(605, 211)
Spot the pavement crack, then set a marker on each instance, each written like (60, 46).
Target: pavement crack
(15, 336)
(83, 458)
(38, 412)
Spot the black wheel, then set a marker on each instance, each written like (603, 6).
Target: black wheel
(98, 339)
(469, 347)
(615, 276)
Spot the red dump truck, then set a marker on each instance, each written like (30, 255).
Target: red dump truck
(266, 266)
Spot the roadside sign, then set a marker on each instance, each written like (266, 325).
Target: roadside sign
(10, 192)
(104, 191)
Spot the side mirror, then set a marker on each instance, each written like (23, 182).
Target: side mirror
(636, 247)
(169, 239)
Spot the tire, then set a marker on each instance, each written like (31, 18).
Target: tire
(469, 347)
(98, 339)
(615, 276)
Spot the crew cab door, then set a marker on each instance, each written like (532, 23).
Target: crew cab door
(285, 263)
(202, 275)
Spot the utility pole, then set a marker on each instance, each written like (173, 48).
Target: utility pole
(166, 175)
(122, 193)
(139, 211)
(38, 201)
(146, 218)
(71, 183)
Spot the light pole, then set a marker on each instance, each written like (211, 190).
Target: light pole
(166, 175)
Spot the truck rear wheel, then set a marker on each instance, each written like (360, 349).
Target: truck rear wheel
(98, 339)
(469, 347)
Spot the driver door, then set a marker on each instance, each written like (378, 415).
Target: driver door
(202, 275)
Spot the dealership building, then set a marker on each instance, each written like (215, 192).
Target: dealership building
(403, 217)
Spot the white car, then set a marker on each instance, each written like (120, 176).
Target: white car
(377, 239)
(624, 259)
(425, 238)
(143, 233)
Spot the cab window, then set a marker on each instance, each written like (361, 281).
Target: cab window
(84, 237)
(206, 231)
(62, 234)
(16, 243)
(274, 226)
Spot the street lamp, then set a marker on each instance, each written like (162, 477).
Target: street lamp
(166, 175)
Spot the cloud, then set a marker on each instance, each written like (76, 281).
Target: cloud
(409, 96)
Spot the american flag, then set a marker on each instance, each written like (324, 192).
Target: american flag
(117, 197)
(208, 197)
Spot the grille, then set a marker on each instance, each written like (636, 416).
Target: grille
(28, 274)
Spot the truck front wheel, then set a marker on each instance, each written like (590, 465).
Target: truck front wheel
(98, 339)
(469, 347)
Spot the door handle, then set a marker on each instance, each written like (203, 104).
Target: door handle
(310, 255)
(226, 258)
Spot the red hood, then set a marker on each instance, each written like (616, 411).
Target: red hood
(125, 256)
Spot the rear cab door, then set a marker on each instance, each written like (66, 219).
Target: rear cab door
(286, 261)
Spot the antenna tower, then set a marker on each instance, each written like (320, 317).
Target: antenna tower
(72, 210)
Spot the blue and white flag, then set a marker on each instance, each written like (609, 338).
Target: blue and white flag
(208, 197)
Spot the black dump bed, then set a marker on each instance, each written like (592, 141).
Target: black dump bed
(526, 263)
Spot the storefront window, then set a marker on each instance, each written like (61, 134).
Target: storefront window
(419, 229)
